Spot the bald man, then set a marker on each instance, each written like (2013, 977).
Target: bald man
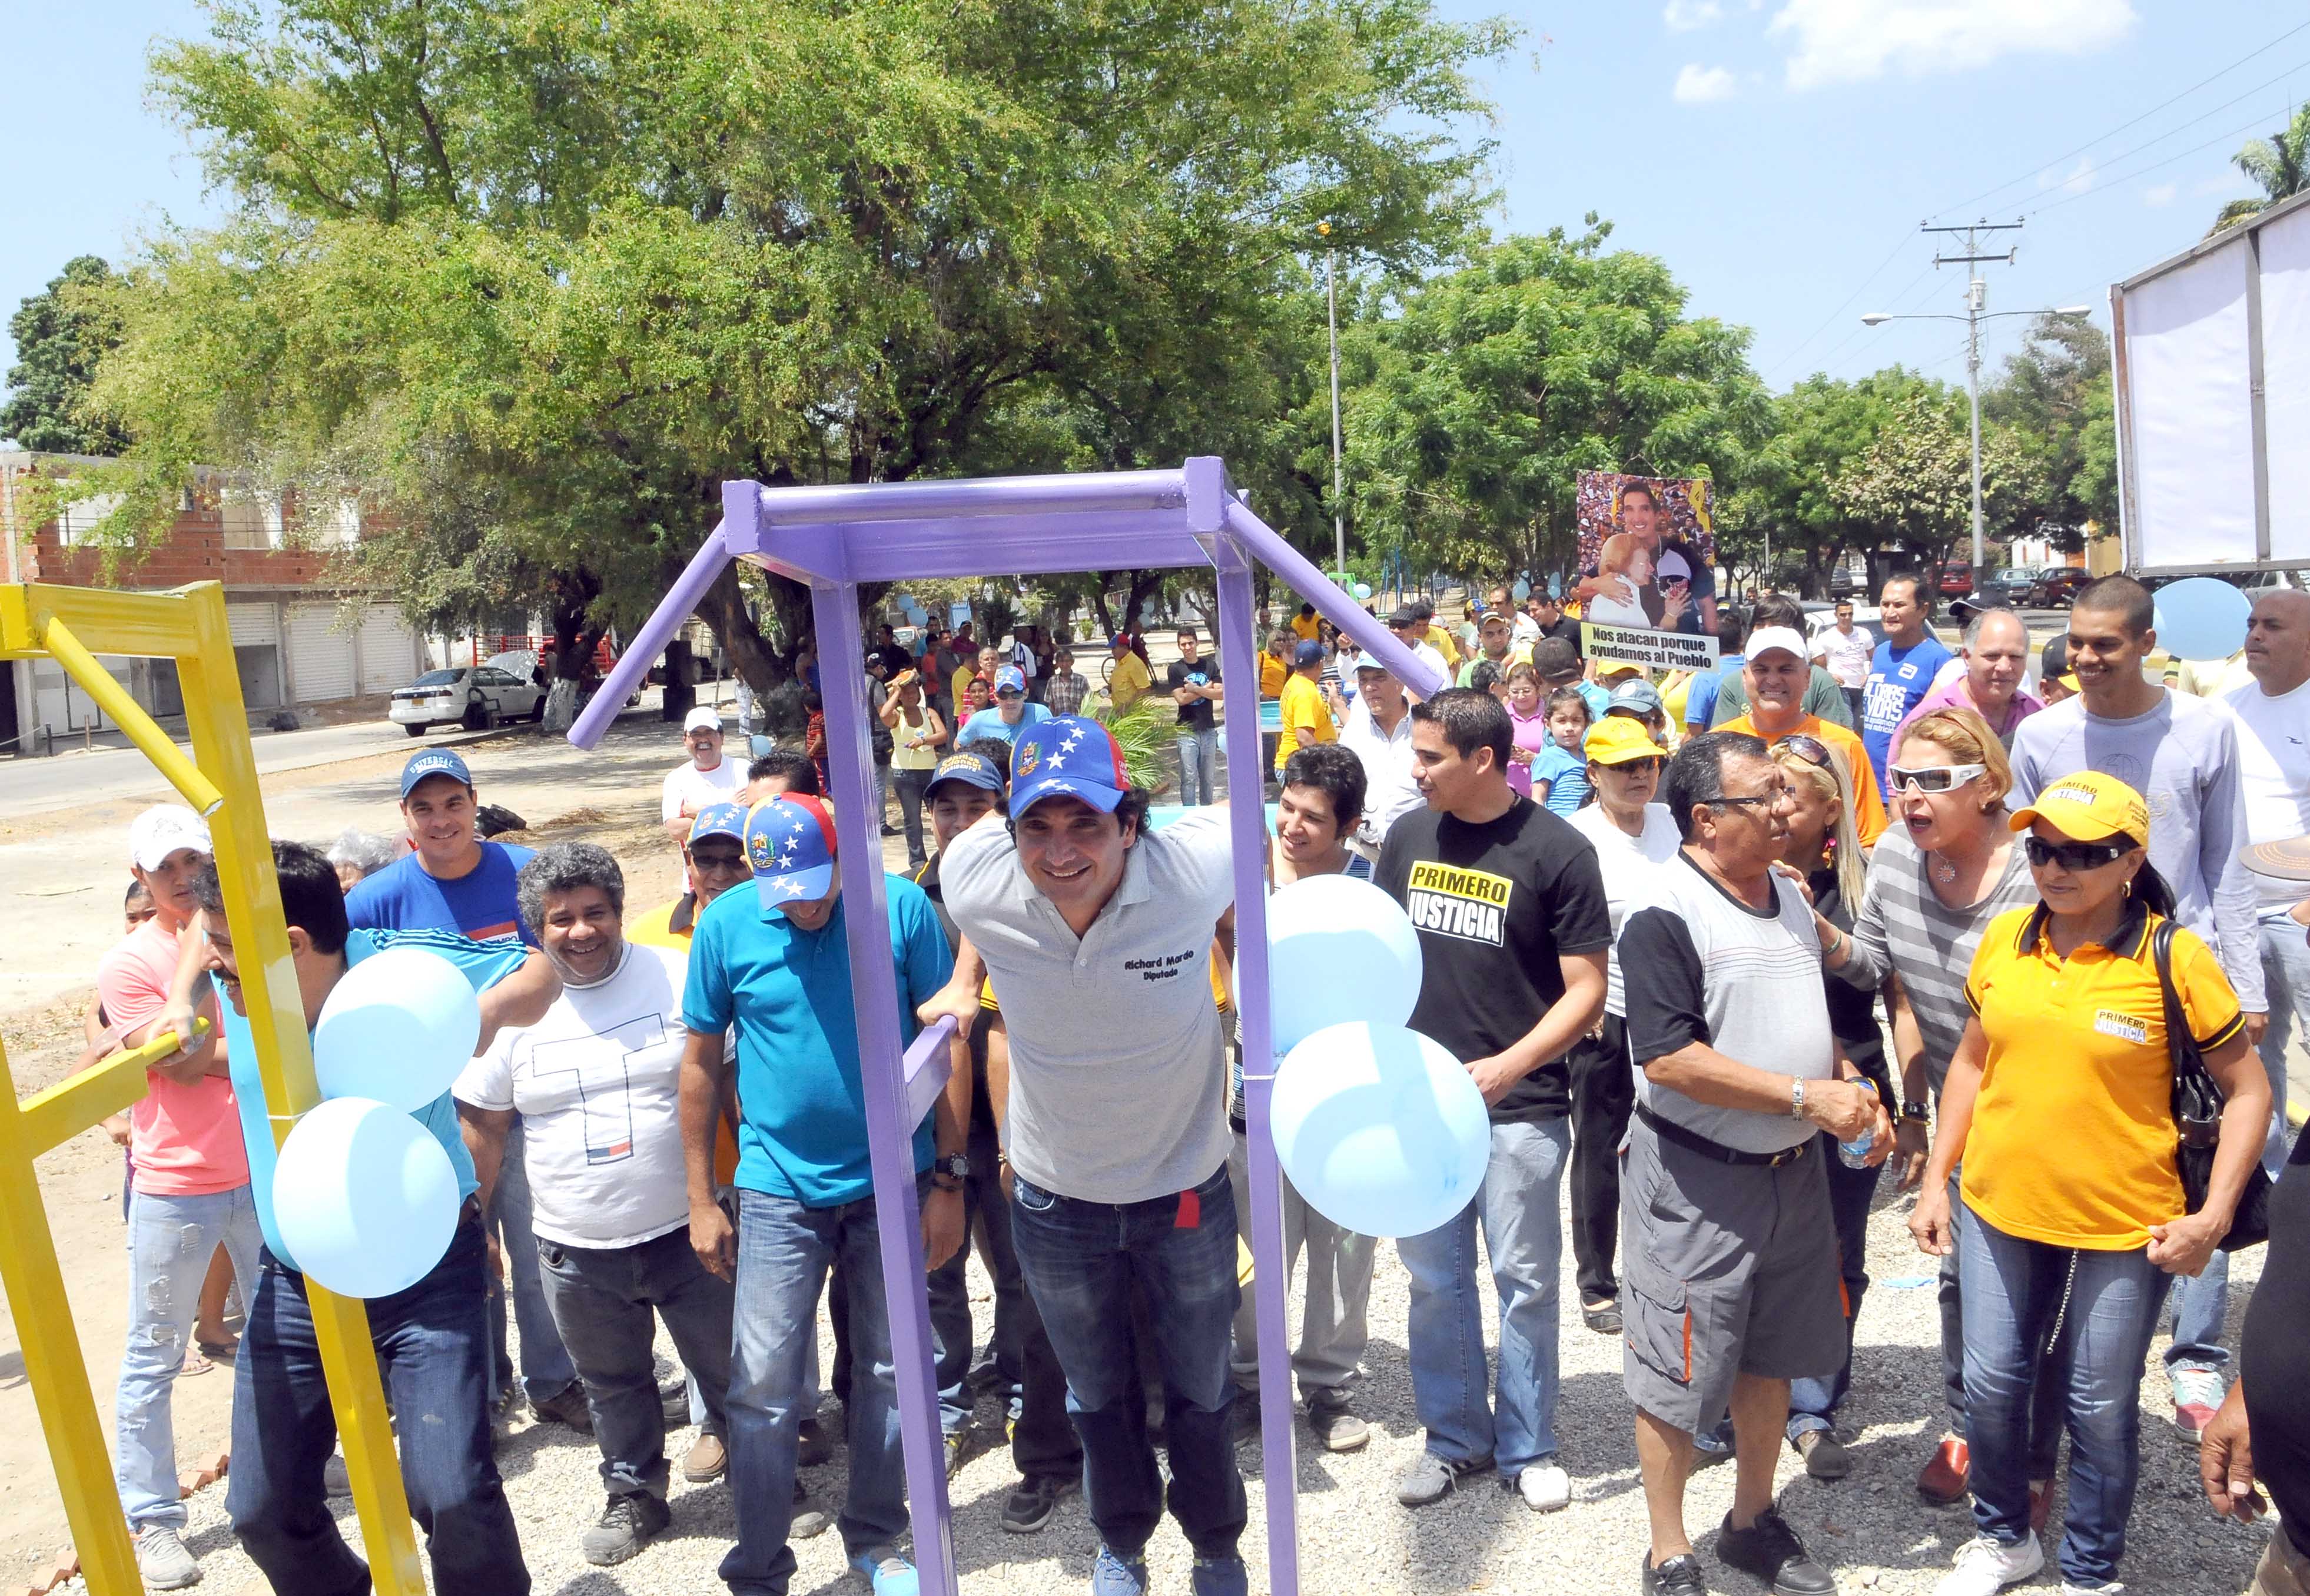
(1987, 676)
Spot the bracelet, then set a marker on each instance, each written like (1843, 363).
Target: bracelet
(946, 1183)
(1835, 947)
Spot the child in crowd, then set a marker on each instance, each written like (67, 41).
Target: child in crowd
(1559, 773)
(1528, 716)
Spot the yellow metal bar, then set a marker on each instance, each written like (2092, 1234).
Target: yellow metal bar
(53, 1366)
(129, 715)
(150, 625)
(251, 890)
(54, 1116)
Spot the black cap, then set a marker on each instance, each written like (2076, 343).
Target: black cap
(1405, 615)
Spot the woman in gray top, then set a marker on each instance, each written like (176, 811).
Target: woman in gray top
(1945, 869)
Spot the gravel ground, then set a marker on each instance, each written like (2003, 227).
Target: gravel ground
(1871, 1528)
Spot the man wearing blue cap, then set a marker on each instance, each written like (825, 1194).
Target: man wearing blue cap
(715, 856)
(1098, 939)
(1011, 713)
(1306, 718)
(775, 964)
(455, 880)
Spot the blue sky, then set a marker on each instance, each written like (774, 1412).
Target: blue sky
(1779, 154)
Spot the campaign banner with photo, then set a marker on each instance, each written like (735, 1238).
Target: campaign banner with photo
(1647, 554)
(1648, 646)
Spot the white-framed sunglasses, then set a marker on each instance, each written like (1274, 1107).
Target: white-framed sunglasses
(1932, 778)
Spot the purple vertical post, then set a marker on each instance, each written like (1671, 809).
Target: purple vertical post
(890, 1129)
(1248, 824)
(655, 633)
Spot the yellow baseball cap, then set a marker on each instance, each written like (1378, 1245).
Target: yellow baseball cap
(2089, 807)
(1618, 739)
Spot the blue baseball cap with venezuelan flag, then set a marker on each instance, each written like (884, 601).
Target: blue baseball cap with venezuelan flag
(790, 844)
(1068, 756)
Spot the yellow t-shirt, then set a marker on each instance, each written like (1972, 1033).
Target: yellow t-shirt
(1130, 681)
(1306, 628)
(959, 686)
(654, 928)
(1303, 706)
(2072, 1137)
(1440, 638)
(1868, 818)
(1273, 674)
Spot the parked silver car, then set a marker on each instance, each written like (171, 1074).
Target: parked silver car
(473, 697)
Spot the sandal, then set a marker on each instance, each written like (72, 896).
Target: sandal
(223, 1351)
(195, 1364)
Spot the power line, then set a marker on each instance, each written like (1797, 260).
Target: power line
(2111, 187)
(1890, 256)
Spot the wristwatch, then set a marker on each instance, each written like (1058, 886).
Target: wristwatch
(957, 1165)
(1796, 1097)
(1916, 1108)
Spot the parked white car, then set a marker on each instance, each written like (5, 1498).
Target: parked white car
(474, 696)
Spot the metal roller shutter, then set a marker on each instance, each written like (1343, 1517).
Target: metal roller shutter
(320, 658)
(388, 651)
(254, 625)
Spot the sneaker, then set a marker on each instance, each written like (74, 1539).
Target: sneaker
(1713, 1446)
(1602, 1317)
(625, 1526)
(1985, 1567)
(889, 1574)
(162, 1561)
(808, 1520)
(1035, 1500)
(2198, 1396)
(1825, 1457)
(1337, 1425)
(674, 1403)
(2070, 1587)
(1769, 1550)
(957, 1446)
(1544, 1486)
(705, 1460)
(1115, 1574)
(336, 1479)
(1947, 1475)
(1219, 1576)
(1431, 1479)
(566, 1406)
(813, 1444)
(1679, 1576)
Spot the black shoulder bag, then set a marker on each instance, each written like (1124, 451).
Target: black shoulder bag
(2198, 1114)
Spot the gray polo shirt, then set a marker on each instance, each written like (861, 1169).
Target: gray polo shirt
(1118, 1079)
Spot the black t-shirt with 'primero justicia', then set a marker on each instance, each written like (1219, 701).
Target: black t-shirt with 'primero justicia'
(1496, 905)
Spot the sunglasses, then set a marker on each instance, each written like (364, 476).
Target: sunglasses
(1759, 798)
(1812, 751)
(2075, 855)
(717, 861)
(1932, 778)
(1649, 764)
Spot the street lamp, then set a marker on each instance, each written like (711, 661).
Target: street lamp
(1976, 293)
(1331, 298)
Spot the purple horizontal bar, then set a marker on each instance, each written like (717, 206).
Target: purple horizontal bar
(1029, 545)
(927, 1064)
(979, 496)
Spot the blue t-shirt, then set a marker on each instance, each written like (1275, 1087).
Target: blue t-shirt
(478, 904)
(1597, 697)
(1701, 703)
(802, 1127)
(1567, 778)
(1898, 678)
(484, 964)
(990, 723)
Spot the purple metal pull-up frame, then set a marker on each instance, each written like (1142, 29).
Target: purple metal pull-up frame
(832, 539)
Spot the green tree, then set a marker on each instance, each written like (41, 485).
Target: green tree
(2054, 407)
(1818, 427)
(2280, 163)
(61, 333)
(1914, 483)
(1478, 396)
(539, 274)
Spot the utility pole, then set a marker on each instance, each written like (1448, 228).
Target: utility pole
(1976, 296)
(1331, 296)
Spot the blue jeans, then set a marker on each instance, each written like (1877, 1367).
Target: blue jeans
(170, 1241)
(2107, 1304)
(432, 1350)
(785, 1254)
(546, 1370)
(606, 1301)
(1082, 1260)
(1813, 1402)
(1199, 765)
(1519, 1208)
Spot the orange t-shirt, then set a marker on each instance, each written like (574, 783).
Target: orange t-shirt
(183, 1140)
(1868, 818)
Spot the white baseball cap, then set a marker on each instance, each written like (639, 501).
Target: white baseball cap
(701, 719)
(1765, 639)
(161, 830)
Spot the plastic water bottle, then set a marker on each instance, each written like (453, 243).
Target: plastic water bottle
(1855, 1152)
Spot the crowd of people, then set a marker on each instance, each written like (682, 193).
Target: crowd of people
(1657, 920)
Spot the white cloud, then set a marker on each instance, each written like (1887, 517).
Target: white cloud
(1697, 84)
(2229, 182)
(2080, 178)
(1683, 16)
(2161, 194)
(1838, 41)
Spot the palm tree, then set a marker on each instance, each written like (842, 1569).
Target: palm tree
(2280, 163)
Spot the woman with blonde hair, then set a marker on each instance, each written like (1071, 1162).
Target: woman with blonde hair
(1943, 869)
(1623, 562)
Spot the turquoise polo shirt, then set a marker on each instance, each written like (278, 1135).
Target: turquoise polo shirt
(484, 964)
(802, 1100)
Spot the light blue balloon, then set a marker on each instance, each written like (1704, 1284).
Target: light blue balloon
(2201, 618)
(1362, 591)
(1338, 950)
(364, 1197)
(1159, 815)
(1380, 1129)
(398, 1030)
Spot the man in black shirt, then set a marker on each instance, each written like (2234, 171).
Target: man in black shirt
(892, 653)
(1509, 904)
(1194, 683)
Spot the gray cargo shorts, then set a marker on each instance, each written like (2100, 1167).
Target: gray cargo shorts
(1731, 1269)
